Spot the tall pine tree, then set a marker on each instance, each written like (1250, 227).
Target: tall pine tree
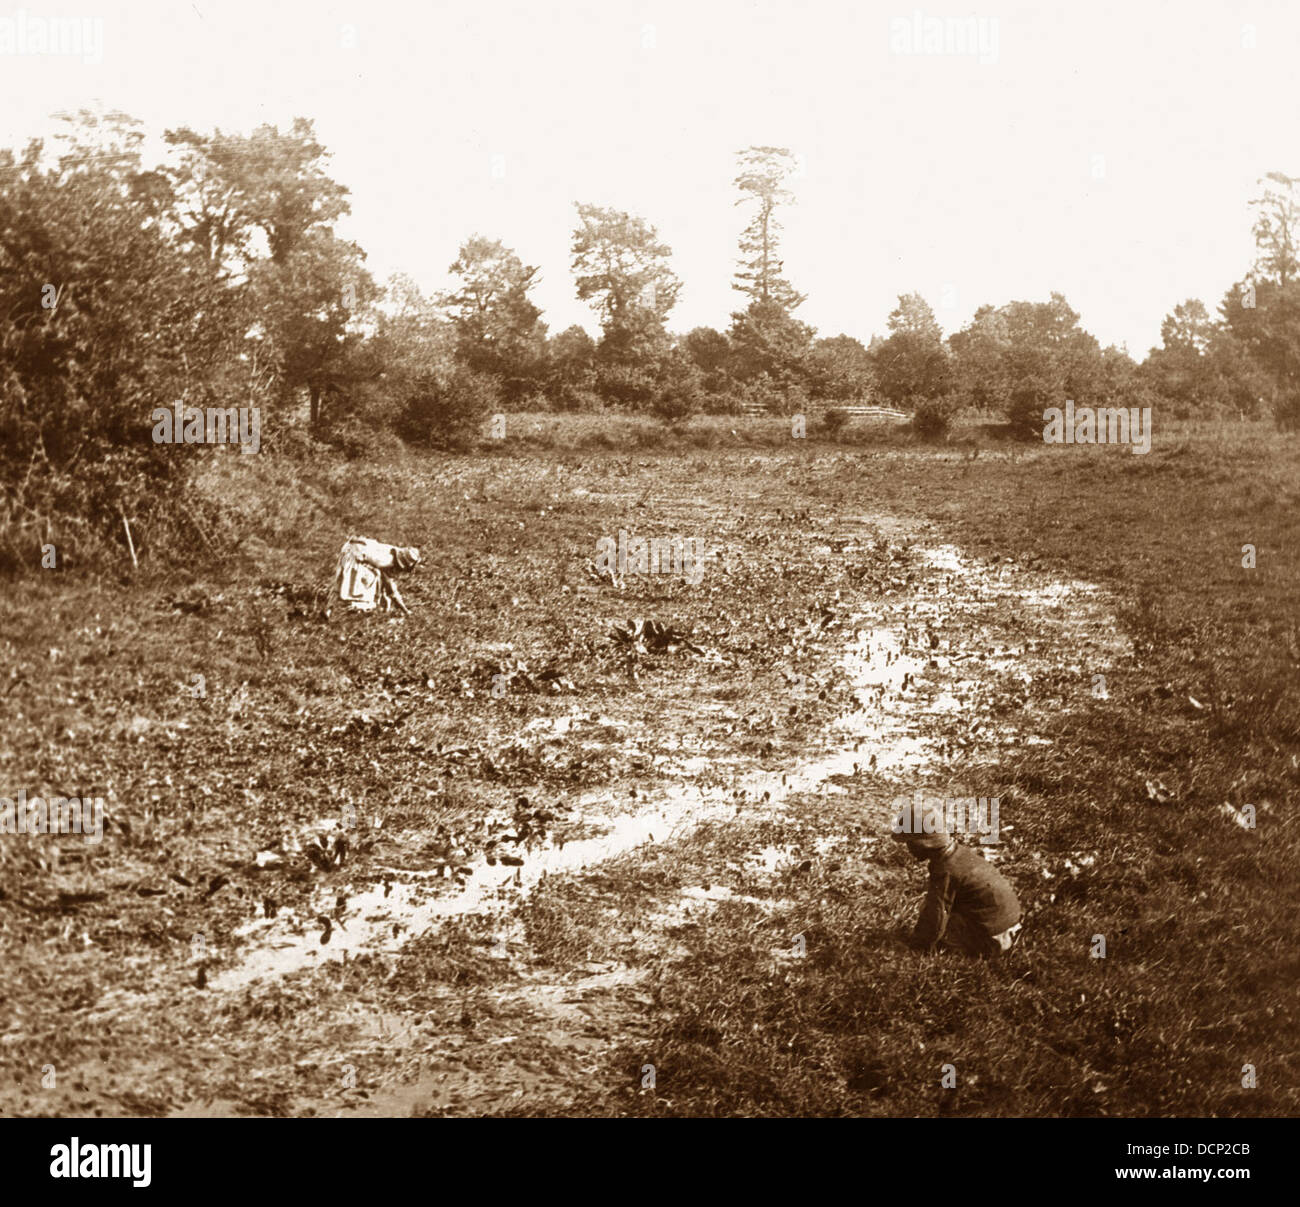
(764, 172)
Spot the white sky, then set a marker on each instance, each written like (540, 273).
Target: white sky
(967, 181)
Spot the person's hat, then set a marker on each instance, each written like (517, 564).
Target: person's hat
(915, 835)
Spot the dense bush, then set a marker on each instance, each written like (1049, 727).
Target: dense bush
(359, 440)
(1029, 398)
(832, 422)
(75, 516)
(932, 417)
(632, 387)
(669, 386)
(446, 412)
(577, 396)
(679, 395)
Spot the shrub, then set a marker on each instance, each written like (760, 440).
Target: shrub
(674, 406)
(579, 398)
(1286, 412)
(679, 391)
(1029, 398)
(932, 417)
(833, 421)
(624, 385)
(576, 392)
(358, 440)
(80, 509)
(446, 412)
(669, 387)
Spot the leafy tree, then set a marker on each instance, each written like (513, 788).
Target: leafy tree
(1263, 313)
(1049, 359)
(768, 341)
(911, 361)
(710, 352)
(1118, 381)
(573, 350)
(639, 338)
(980, 360)
(97, 307)
(764, 173)
(1188, 328)
(429, 395)
(1045, 339)
(410, 346)
(1026, 356)
(499, 330)
(1186, 371)
(276, 181)
(234, 196)
(840, 368)
(621, 266)
(412, 338)
(571, 363)
(312, 304)
(1277, 227)
(1243, 386)
(1269, 331)
(679, 388)
(207, 206)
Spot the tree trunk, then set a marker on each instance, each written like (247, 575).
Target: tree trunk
(767, 214)
(314, 391)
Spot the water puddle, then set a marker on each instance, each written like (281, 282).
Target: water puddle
(896, 668)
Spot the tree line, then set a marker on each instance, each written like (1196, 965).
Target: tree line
(217, 277)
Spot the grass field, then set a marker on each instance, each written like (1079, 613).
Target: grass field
(576, 877)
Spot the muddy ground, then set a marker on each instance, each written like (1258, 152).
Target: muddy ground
(491, 859)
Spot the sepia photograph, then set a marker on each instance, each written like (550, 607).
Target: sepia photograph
(648, 560)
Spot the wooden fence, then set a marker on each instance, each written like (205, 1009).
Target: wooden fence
(854, 412)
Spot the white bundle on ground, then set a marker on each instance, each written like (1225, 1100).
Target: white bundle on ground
(365, 572)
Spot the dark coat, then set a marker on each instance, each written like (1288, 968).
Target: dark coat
(964, 883)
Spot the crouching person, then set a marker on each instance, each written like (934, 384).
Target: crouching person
(969, 905)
